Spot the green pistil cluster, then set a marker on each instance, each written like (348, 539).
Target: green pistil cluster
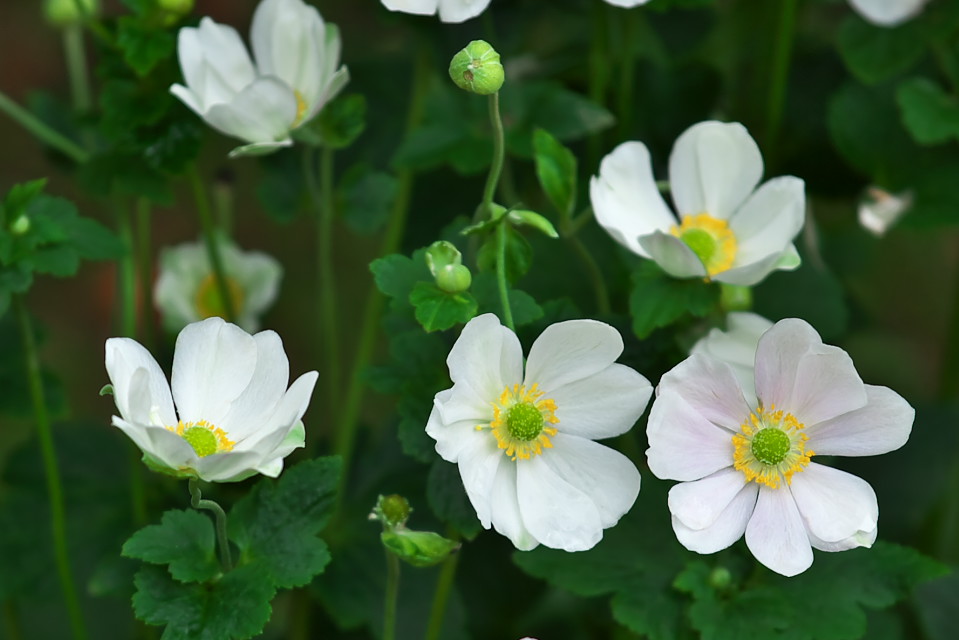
(202, 440)
(701, 242)
(771, 445)
(524, 421)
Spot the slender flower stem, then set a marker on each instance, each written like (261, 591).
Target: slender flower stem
(196, 501)
(392, 592)
(782, 51)
(444, 584)
(42, 131)
(499, 152)
(594, 272)
(77, 67)
(144, 262)
(501, 231)
(51, 468)
(212, 244)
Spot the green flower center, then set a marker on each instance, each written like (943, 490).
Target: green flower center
(702, 244)
(202, 440)
(208, 301)
(524, 421)
(771, 445)
(711, 239)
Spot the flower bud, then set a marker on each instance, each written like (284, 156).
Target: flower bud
(392, 510)
(173, 10)
(720, 578)
(418, 548)
(63, 13)
(734, 297)
(441, 254)
(477, 69)
(20, 225)
(454, 278)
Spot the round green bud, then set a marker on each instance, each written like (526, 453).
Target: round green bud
(477, 69)
(392, 510)
(454, 278)
(720, 578)
(63, 13)
(20, 226)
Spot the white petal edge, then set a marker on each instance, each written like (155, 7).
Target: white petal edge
(570, 351)
(776, 533)
(883, 425)
(683, 445)
(725, 530)
(555, 512)
(603, 405)
(673, 255)
(835, 505)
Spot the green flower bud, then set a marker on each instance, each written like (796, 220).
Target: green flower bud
(418, 548)
(720, 578)
(454, 278)
(171, 11)
(20, 226)
(477, 69)
(734, 297)
(63, 13)
(392, 511)
(441, 254)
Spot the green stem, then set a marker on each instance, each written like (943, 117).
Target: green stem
(444, 585)
(782, 51)
(499, 153)
(501, 230)
(76, 56)
(212, 244)
(598, 79)
(594, 272)
(42, 131)
(144, 262)
(392, 593)
(52, 471)
(627, 72)
(196, 501)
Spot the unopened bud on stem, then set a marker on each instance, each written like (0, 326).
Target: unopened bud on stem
(477, 69)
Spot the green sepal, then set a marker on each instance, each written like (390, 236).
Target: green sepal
(524, 218)
(418, 548)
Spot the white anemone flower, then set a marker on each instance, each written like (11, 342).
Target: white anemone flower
(880, 210)
(297, 72)
(186, 288)
(626, 4)
(524, 441)
(233, 416)
(449, 10)
(887, 13)
(748, 468)
(727, 229)
(736, 346)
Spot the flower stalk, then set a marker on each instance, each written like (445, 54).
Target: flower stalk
(42, 131)
(392, 593)
(212, 244)
(223, 543)
(444, 584)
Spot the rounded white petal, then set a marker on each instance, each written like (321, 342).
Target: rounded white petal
(887, 13)
(859, 539)
(289, 42)
(699, 504)
(769, 220)
(263, 112)
(626, 201)
(418, 7)
(713, 167)
(504, 509)
(478, 466)
(776, 533)
(214, 61)
(569, 351)
(728, 527)
(736, 347)
(752, 274)
(258, 275)
(182, 269)
(212, 364)
(461, 10)
(268, 384)
(295, 439)
(485, 359)
(683, 445)
(259, 148)
(153, 403)
(883, 425)
(229, 466)
(710, 387)
(159, 443)
(189, 98)
(271, 433)
(673, 255)
(608, 477)
(834, 504)
(453, 438)
(555, 512)
(603, 405)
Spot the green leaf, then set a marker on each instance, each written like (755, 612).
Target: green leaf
(87, 237)
(448, 500)
(366, 198)
(524, 307)
(396, 275)
(143, 46)
(519, 254)
(60, 261)
(184, 540)
(20, 195)
(235, 607)
(556, 170)
(437, 310)
(929, 113)
(338, 125)
(276, 524)
(875, 53)
(657, 300)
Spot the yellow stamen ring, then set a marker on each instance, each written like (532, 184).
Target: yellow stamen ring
(205, 438)
(710, 239)
(522, 422)
(771, 447)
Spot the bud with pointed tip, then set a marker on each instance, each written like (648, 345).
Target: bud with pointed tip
(477, 69)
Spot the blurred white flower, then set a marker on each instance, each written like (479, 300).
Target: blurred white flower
(626, 4)
(887, 13)
(736, 346)
(524, 442)
(234, 415)
(880, 209)
(297, 72)
(747, 468)
(186, 289)
(728, 230)
(449, 10)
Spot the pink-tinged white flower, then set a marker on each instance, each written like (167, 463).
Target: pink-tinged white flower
(880, 209)
(748, 469)
(186, 289)
(448, 10)
(727, 229)
(887, 13)
(297, 72)
(736, 346)
(524, 440)
(226, 414)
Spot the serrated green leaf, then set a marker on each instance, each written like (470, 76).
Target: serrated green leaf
(437, 310)
(875, 53)
(235, 607)
(657, 300)
(184, 540)
(556, 170)
(396, 275)
(276, 525)
(60, 261)
(929, 113)
(143, 46)
(448, 500)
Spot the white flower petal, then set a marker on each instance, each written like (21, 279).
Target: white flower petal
(485, 359)
(257, 402)
(453, 438)
(259, 148)
(603, 405)
(555, 512)
(626, 201)
(418, 7)
(710, 387)
(189, 98)
(461, 10)
(859, 539)
(214, 62)
(834, 504)
(478, 465)
(213, 363)
(683, 445)
(626, 4)
(698, 504)
(887, 13)
(124, 357)
(159, 443)
(229, 466)
(569, 351)
(883, 425)
(728, 527)
(288, 412)
(754, 273)
(713, 167)
(776, 533)
(608, 477)
(288, 38)
(737, 347)
(769, 220)
(295, 439)
(504, 509)
(263, 112)
(673, 255)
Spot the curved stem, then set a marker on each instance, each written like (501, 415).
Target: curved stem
(392, 592)
(42, 131)
(212, 244)
(58, 520)
(226, 558)
(782, 52)
(501, 230)
(444, 584)
(499, 152)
